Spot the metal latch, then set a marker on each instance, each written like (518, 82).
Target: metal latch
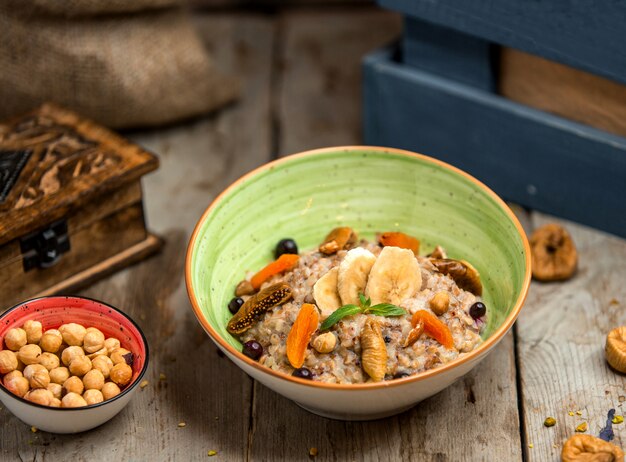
(43, 249)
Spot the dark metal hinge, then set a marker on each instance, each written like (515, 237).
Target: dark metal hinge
(43, 248)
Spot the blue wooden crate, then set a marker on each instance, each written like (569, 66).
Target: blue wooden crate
(530, 157)
(587, 35)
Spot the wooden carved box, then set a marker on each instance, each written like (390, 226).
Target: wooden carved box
(71, 205)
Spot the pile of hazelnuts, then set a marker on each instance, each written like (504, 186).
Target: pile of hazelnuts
(71, 366)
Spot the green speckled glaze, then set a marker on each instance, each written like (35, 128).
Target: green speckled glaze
(303, 197)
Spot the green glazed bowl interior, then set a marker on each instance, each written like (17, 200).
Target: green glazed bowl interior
(370, 189)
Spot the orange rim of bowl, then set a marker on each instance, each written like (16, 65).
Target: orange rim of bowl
(474, 354)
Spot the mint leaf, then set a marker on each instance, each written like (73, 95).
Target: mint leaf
(385, 309)
(339, 314)
(365, 302)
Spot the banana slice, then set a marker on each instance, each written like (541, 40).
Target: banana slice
(325, 293)
(353, 272)
(395, 276)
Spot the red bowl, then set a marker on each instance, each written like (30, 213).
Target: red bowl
(54, 311)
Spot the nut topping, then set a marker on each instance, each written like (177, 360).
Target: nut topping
(339, 238)
(374, 351)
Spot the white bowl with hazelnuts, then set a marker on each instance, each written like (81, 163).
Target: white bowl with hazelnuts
(69, 364)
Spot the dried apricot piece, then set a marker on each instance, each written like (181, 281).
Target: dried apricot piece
(300, 334)
(340, 238)
(587, 448)
(285, 262)
(553, 252)
(434, 327)
(398, 239)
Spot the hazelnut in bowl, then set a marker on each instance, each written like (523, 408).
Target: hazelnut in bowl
(366, 279)
(69, 364)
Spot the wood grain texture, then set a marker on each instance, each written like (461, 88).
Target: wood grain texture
(562, 331)
(480, 410)
(318, 93)
(574, 33)
(563, 90)
(542, 161)
(202, 388)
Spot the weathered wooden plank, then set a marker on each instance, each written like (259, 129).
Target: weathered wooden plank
(563, 90)
(204, 390)
(319, 88)
(475, 419)
(449, 53)
(531, 157)
(561, 335)
(559, 30)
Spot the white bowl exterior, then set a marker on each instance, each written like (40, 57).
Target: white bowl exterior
(360, 404)
(56, 420)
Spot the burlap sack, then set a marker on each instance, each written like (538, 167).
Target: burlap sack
(122, 71)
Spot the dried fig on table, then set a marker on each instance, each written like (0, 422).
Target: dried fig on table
(553, 252)
(587, 448)
(615, 349)
(338, 239)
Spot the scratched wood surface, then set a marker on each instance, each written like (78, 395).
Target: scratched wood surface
(561, 335)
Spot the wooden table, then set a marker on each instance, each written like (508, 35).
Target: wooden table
(300, 75)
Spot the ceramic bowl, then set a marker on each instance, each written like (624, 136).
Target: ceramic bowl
(52, 312)
(370, 189)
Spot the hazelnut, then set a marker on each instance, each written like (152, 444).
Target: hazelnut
(325, 343)
(59, 375)
(93, 380)
(55, 389)
(80, 365)
(122, 356)
(20, 365)
(37, 376)
(73, 400)
(109, 390)
(55, 402)
(15, 338)
(93, 341)
(100, 352)
(439, 303)
(17, 385)
(34, 331)
(103, 364)
(13, 374)
(29, 354)
(73, 334)
(71, 353)
(73, 385)
(93, 396)
(111, 344)
(121, 374)
(51, 341)
(8, 361)
(49, 360)
(39, 396)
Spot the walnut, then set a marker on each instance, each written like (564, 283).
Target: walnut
(615, 349)
(587, 448)
(554, 256)
(464, 274)
(374, 351)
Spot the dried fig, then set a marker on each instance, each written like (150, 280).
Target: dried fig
(464, 274)
(553, 253)
(587, 448)
(339, 238)
(615, 349)
(258, 304)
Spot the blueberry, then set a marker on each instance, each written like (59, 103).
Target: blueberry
(401, 374)
(303, 373)
(235, 304)
(387, 339)
(477, 310)
(286, 246)
(252, 349)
